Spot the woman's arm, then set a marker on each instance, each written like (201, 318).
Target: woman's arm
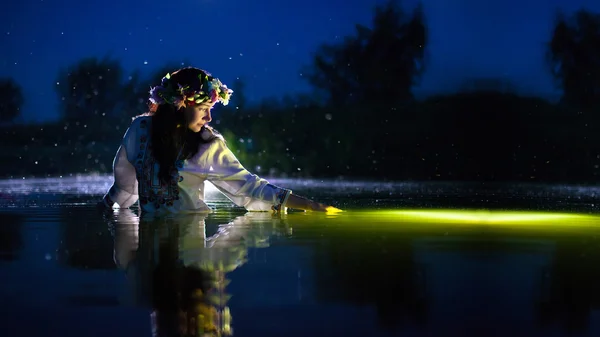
(124, 190)
(246, 189)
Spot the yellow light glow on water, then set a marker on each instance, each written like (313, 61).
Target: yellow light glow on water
(479, 216)
(471, 217)
(332, 210)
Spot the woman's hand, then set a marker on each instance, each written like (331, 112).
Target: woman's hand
(318, 207)
(298, 202)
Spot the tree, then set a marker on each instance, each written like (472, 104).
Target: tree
(11, 100)
(574, 57)
(377, 64)
(236, 114)
(239, 97)
(91, 89)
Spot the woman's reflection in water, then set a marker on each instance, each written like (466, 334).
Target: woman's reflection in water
(179, 272)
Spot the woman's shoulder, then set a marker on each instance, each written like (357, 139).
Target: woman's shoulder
(212, 141)
(141, 121)
(209, 135)
(138, 125)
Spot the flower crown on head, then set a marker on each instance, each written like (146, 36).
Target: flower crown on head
(211, 90)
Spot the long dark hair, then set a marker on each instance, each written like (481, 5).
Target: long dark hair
(169, 134)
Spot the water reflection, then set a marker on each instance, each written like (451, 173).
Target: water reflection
(476, 279)
(367, 273)
(181, 273)
(373, 269)
(11, 236)
(570, 286)
(84, 241)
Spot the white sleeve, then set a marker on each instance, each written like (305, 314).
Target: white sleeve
(124, 190)
(242, 187)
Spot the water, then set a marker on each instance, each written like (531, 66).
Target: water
(390, 266)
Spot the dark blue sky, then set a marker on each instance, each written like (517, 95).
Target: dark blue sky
(265, 41)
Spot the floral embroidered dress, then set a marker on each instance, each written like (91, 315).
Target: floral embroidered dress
(136, 177)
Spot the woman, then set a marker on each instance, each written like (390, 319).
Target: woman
(167, 154)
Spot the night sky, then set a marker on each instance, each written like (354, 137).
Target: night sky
(265, 42)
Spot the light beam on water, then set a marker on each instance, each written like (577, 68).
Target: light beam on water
(414, 218)
(15, 191)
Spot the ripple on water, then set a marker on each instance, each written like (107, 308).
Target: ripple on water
(81, 190)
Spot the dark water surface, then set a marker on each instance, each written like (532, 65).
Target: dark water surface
(389, 266)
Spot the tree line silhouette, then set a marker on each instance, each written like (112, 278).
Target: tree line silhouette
(361, 121)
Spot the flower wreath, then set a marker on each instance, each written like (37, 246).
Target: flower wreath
(211, 89)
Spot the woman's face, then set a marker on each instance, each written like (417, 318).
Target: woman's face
(198, 116)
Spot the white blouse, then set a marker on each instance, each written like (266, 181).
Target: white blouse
(136, 178)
